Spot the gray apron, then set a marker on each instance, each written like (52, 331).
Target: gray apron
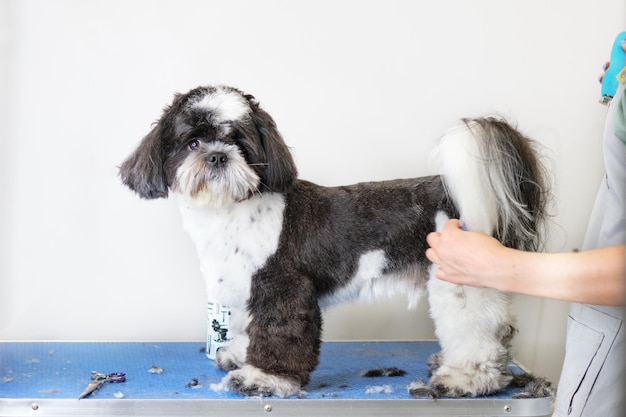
(595, 365)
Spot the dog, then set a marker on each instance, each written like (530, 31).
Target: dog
(278, 249)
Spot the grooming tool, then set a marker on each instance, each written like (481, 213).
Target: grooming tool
(616, 73)
(98, 380)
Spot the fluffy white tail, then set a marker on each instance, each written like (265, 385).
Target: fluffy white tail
(496, 179)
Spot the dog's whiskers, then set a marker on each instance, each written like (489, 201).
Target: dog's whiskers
(256, 190)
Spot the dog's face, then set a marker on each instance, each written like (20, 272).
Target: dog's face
(213, 145)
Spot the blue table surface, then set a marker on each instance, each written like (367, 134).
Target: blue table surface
(61, 370)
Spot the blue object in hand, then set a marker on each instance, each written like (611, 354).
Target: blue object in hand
(616, 73)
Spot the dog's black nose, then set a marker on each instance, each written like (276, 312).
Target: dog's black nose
(218, 159)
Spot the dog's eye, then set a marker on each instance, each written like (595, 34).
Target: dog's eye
(193, 144)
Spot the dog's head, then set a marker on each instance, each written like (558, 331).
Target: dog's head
(214, 145)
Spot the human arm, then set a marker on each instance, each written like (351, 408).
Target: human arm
(472, 258)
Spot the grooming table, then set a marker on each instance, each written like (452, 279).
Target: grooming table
(46, 378)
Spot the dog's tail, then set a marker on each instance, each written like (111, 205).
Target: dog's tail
(497, 181)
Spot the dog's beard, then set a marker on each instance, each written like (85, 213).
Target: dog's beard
(206, 184)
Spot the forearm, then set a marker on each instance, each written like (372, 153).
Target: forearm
(595, 277)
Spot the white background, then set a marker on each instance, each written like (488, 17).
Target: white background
(361, 90)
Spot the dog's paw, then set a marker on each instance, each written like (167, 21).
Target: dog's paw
(227, 360)
(469, 381)
(420, 389)
(533, 387)
(252, 381)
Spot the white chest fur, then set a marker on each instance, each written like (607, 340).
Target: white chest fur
(233, 242)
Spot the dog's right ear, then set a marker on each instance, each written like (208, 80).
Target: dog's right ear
(143, 170)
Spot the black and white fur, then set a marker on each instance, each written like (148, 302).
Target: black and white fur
(277, 249)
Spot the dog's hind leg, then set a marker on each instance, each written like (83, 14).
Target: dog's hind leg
(474, 327)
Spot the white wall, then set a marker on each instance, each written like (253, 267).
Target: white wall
(360, 89)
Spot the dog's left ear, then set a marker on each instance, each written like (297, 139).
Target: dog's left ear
(280, 172)
(143, 170)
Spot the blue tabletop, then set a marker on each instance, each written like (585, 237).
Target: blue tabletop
(62, 370)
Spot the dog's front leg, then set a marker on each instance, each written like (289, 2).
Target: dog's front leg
(284, 338)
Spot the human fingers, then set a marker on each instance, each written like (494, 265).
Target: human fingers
(453, 230)
(432, 256)
(442, 274)
(433, 238)
(452, 224)
(604, 68)
(608, 63)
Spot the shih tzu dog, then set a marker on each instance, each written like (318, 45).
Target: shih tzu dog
(277, 249)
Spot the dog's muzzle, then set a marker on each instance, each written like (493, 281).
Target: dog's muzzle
(217, 159)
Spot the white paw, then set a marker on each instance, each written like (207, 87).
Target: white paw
(228, 359)
(468, 381)
(234, 355)
(252, 381)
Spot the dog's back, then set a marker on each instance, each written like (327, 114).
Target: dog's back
(363, 241)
